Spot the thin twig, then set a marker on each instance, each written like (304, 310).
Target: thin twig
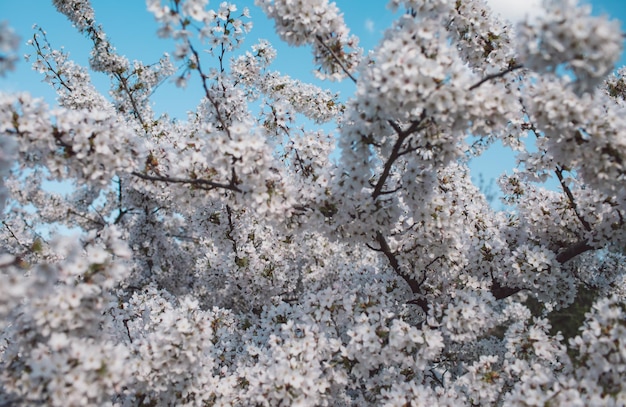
(496, 75)
(133, 103)
(87, 218)
(55, 72)
(13, 234)
(336, 58)
(570, 197)
(204, 78)
(201, 183)
(122, 211)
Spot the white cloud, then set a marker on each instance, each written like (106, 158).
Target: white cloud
(369, 25)
(516, 10)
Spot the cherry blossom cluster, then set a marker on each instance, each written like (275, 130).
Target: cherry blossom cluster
(568, 37)
(71, 81)
(251, 69)
(9, 43)
(481, 38)
(56, 335)
(7, 158)
(221, 30)
(103, 56)
(56, 138)
(282, 245)
(320, 24)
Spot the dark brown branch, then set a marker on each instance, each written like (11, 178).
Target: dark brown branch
(200, 183)
(391, 191)
(100, 223)
(500, 291)
(573, 251)
(568, 192)
(133, 102)
(496, 75)
(204, 77)
(122, 211)
(416, 125)
(395, 151)
(570, 196)
(582, 246)
(393, 261)
(336, 58)
(125, 322)
(54, 71)
(13, 235)
(387, 168)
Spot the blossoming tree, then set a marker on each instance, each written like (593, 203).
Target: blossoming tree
(230, 259)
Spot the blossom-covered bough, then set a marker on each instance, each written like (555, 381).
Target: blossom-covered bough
(240, 258)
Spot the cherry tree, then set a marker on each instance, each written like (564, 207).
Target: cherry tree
(240, 257)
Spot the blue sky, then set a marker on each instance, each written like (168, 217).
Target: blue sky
(132, 30)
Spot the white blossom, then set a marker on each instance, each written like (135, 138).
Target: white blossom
(288, 245)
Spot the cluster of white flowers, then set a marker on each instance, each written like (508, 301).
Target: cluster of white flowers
(56, 138)
(320, 24)
(284, 95)
(482, 40)
(79, 12)
(9, 43)
(57, 330)
(568, 37)
(601, 354)
(8, 150)
(71, 81)
(103, 55)
(241, 257)
(221, 30)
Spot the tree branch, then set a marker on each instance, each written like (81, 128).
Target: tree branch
(393, 261)
(570, 196)
(13, 235)
(204, 78)
(496, 75)
(500, 291)
(200, 183)
(573, 251)
(133, 102)
(336, 58)
(54, 71)
(101, 223)
(395, 152)
(122, 211)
